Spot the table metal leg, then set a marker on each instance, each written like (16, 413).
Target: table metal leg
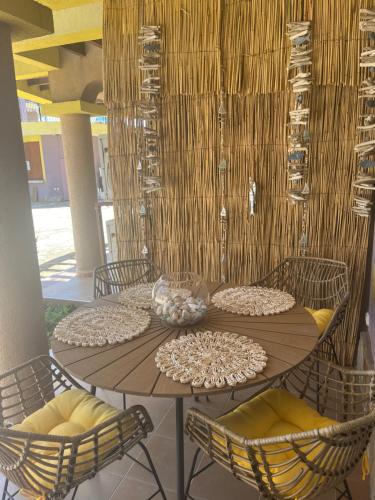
(180, 448)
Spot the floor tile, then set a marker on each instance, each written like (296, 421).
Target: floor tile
(121, 467)
(216, 483)
(214, 407)
(329, 495)
(359, 488)
(156, 407)
(101, 487)
(133, 489)
(110, 397)
(11, 488)
(163, 453)
(167, 426)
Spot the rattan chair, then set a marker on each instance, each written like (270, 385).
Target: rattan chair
(116, 276)
(49, 466)
(320, 459)
(315, 283)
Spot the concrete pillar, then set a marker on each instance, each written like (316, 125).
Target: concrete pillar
(80, 171)
(22, 331)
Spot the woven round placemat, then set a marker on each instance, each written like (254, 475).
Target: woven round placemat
(138, 296)
(253, 300)
(211, 359)
(98, 326)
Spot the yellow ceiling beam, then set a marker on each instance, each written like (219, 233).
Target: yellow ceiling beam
(72, 107)
(27, 18)
(28, 71)
(63, 4)
(33, 93)
(77, 24)
(36, 63)
(47, 59)
(34, 129)
(99, 129)
(31, 138)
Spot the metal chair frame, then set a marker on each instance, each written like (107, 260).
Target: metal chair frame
(344, 394)
(316, 283)
(117, 276)
(52, 465)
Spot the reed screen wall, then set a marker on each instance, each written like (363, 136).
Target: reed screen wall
(247, 40)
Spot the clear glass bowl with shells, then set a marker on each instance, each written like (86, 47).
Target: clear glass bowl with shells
(180, 299)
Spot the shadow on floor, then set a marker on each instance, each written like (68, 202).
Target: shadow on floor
(60, 281)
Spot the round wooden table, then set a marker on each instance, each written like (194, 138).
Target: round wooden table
(129, 368)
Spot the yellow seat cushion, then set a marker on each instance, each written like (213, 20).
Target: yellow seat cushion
(258, 417)
(71, 413)
(322, 317)
(275, 412)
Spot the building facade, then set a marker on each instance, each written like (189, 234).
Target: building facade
(44, 156)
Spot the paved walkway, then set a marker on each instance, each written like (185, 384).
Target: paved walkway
(54, 236)
(53, 231)
(60, 281)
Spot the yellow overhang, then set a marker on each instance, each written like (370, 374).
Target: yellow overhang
(72, 107)
(99, 128)
(33, 129)
(26, 18)
(33, 93)
(47, 59)
(78, 24)
(63, 4)
(28, 71)
(31, 138)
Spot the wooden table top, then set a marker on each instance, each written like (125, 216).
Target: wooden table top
(288, 338)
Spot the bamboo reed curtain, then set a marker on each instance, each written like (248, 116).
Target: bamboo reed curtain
(249, 37)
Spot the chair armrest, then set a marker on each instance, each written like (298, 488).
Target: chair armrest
(343, 393)
(271, 279)
(205, 431)
(36, 365)
(336, 319)
(109, 441)
(27, 387)
(142, 423)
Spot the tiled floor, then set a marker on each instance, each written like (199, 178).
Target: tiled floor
(124, 480)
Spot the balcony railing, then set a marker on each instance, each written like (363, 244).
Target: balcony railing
(31, 112)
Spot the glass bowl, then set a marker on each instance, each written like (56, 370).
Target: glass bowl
(180, 299)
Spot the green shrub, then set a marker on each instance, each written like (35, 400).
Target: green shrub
(54, 313)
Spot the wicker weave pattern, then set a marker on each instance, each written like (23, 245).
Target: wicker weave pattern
(55, 464)
(316, 283)
(116, 276)
(346, 395)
